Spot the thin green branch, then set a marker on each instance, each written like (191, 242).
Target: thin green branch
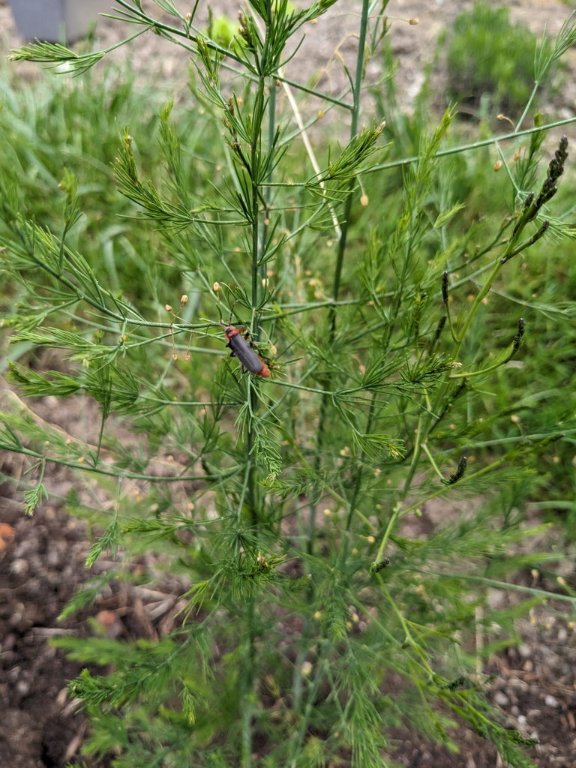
(505, 586)
(473, 145)
(342, 240)
(119, 474)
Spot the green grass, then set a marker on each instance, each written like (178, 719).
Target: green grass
(480, 63)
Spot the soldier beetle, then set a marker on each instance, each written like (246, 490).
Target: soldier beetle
(241, 349)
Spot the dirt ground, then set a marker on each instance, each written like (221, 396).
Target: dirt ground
(42, 558)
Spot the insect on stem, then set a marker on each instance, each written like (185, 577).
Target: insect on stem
(250, 360)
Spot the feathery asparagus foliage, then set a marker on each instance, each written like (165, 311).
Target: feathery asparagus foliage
(324, 598)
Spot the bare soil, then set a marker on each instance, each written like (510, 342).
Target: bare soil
(42, 558)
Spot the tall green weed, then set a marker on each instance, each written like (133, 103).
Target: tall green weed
(338, 523)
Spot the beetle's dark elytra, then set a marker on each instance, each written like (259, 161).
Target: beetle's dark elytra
(241, 349)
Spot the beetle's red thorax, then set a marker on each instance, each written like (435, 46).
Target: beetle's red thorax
(231, 331)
